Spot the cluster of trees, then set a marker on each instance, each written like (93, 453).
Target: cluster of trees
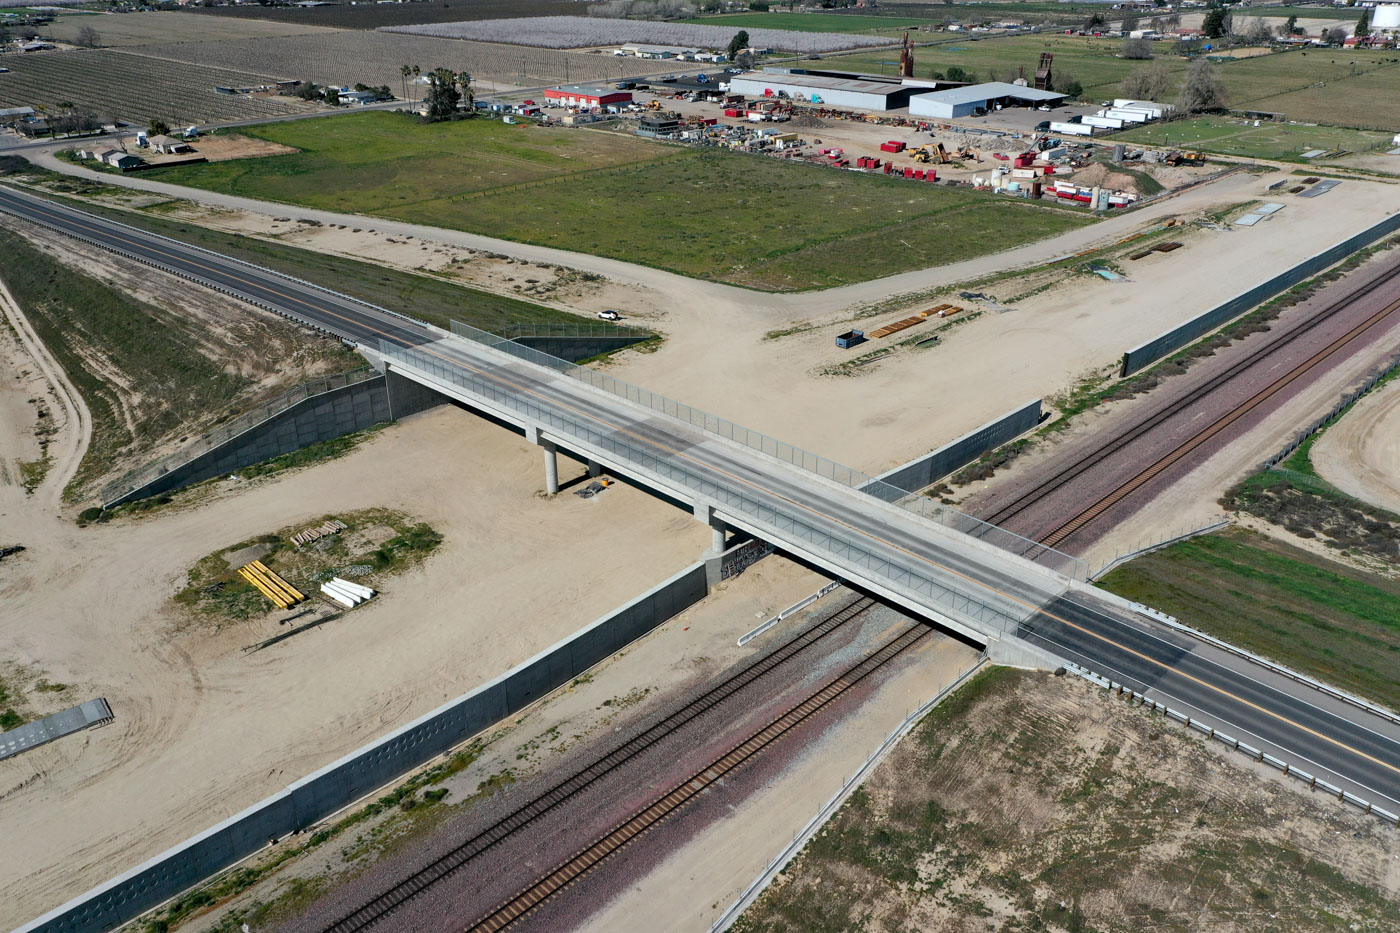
(449, 97)
(1201, 89)
(331, 95)
(73, 119)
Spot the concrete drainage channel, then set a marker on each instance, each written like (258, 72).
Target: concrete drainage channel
(1210, 732)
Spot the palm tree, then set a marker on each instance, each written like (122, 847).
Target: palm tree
(416, 72)
(404, 72)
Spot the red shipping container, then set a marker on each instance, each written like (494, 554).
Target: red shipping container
(931, 175)
(919, 174)
(908, 173)
(888, 166)
(731, 112)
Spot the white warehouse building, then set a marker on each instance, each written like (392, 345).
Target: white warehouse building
(963, 101)
(855, 93)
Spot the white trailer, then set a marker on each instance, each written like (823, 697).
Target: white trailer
(1071, 129)
(1108, 123)
(1127, 116)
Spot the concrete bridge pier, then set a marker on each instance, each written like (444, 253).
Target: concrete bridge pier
(551, 459)
(595, 468)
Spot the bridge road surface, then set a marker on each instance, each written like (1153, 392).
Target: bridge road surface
(1341, 743)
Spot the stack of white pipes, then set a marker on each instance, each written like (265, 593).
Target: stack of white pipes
(346, 593)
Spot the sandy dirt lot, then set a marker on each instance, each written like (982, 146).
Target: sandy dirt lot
(203, 729)
(1192, 501)
(1360, 454)
(696, 865)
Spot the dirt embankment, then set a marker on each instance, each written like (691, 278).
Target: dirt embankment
(1027, 802)
(156, 359)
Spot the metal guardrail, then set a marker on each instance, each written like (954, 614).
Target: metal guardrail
(230, 429)
(1275, 667)
(788, 453)
(1210, 732)
(1350, 399)
(1165, 541)
(828, 809)
(765, 519)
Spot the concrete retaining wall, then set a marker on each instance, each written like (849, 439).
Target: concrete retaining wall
(343, 782)
(323, 417)
(577, 349)
(930, 468)
(1178, 337)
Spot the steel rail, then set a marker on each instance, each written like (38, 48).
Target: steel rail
(678, 796)
(1134, 432)
(387, 901)
(1077, 521)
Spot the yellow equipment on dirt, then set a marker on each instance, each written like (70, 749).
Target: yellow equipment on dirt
(653, 105)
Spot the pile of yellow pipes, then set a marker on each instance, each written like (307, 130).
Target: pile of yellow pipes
(282, 593)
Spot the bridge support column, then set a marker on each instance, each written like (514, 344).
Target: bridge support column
(595, 468)
(551, 467)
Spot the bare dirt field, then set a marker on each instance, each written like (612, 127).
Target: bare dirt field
(203, 729)
(1360, 454)
(1029, 802)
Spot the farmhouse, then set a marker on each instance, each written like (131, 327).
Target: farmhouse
(169, 145)
(119, 159)
(577, 95)
(964, 101)
(348, 96)
(656, 51)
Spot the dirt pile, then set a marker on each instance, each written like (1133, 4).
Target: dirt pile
(1102, 176)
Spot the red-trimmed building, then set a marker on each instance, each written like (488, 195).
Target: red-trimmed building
(586, 98)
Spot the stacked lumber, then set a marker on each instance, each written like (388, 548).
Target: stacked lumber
(325, 529)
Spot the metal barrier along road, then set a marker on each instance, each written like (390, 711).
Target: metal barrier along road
(788, 453)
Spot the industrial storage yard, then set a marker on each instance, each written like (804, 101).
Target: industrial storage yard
(298, 299)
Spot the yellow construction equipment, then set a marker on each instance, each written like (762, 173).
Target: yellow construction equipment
(653, 105)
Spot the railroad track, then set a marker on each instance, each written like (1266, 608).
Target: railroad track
(681, 794)
(1072, 471)
(391, 899)
(1075, 522)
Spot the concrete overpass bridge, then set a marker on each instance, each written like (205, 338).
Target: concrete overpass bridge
(1016, 597)
(935, 562)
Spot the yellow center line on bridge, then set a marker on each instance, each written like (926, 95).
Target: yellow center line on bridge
(516, 387)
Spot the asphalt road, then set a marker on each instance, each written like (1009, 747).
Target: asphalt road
(856, 535)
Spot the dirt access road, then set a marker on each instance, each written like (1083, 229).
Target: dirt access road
(1360, 454)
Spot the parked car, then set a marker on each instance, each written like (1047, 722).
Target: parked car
(610, 315)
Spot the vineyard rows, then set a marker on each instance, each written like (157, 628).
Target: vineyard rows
(347, 57)
(132, 88)
(574, 32)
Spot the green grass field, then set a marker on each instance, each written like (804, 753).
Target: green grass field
(1093, 61)
(1266, 141)
(1352, 88)
(382, 161)
(711, 214)
(1309, 613)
